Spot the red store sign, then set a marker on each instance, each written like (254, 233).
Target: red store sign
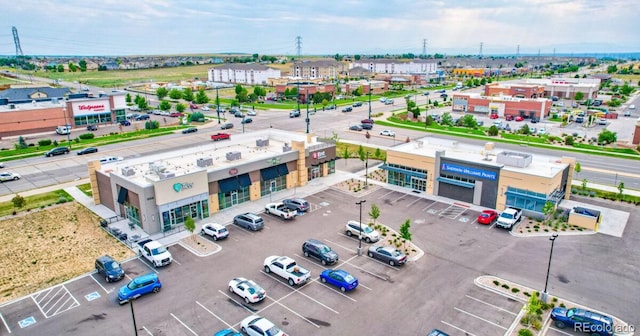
(91, 107)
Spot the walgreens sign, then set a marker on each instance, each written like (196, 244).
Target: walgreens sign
(91, 107)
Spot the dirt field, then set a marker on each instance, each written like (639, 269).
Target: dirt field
(44, 248)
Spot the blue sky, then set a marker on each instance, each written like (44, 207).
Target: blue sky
(139, 27)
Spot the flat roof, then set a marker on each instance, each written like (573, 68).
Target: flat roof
(32, 106)
(501, 97)
(144, 170)
(541, 165)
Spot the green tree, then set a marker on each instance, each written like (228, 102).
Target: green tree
(531, 310)
(187, 94)
(238, 89)
(469, 121)
(127, 98)
(162, 92)
(525, 129)
(18, 201)
(493, 130)
(175, 94)
(83, 65)
(72, 67)
(190, 225)
(164, 105)
(151, 124)
(22, 143)
(60, 68)
(142, 103)
(201, 97)
(346, 154)
(578, 96)
(584, 184)
(577, 168)
(180, 107)
(405, 234)
(374, 213)
(548, 208)
(362, 154)
(620, 189)
(260, 91)
(446, 119)
(196, 116)
(378, 153)
(243, 96)
(612, 69)
(569, 140)
(607, 137)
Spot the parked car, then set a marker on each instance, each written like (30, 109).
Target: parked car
(193, 106)
(252, 113)
(602, 121)
(226, 126)
(587, 321)
(227, 332)
(189, 130)
(259, 326)
(366, 126)
(519, 118)
(206, 108)
(109, 159)
(340, 279)
(238, 114)
(109, 268)
(355, 128)
(87, 150)
(509, 117)
(125, 123)
(388, 254)
(388, 133)
(319, 250)
(487, 217)
(363, 231)
(132, 115)
(92, 128)
(249, 221)
(298, 204)
(388, 102)
(493, 116)
(1, 164)
(215, 231)
(9, 176)
(444, 96)
(347, 109)
(144, 284)
(246, 121)
(143, 117)
(294, 114)
(250, 291)
(357, 104)
(176, 114)
(57, 151)
(542, 131)
(437, 332)
(366, 121)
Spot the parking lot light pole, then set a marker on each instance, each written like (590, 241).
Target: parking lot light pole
(366, 171)
(218, 105)
(360, 221)
(545, 294)
(66, 123)
(369, 99)
(306, 97)
(133, 315)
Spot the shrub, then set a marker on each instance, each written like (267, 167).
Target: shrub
(86, 136)
(525, 332)
(44, 142)
(505, 286)
(496, 282)
(515, 290)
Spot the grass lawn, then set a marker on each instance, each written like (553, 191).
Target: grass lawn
(35, 202)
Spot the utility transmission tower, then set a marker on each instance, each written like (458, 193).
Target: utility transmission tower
(424, 47)
(518, 52)
(480, 54)
(298, 44)
(16, 41)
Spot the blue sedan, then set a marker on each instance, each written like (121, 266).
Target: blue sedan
(339, 278)
(227, 332)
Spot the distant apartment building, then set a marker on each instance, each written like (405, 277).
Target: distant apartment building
(390, 66)
(501, 105)
(328, 69)
(250, 74)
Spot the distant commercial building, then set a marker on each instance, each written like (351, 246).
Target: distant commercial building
(306, 90)
(481, 175)
(566, 88)
(158, 192)
(237, 73)
(326, 70)
(515, 90)
(501, 105)
(391, 66)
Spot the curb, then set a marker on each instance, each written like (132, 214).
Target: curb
(198, 254)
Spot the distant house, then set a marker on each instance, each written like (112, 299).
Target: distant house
(27, 95)
(392, 66)
(252, 74)
(110, 65)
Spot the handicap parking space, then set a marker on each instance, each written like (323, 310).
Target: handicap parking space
(481, 313)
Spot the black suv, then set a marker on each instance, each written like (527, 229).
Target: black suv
(57, 151)
(92, 128)
(356, 104)
(316, 249)
(109, 268)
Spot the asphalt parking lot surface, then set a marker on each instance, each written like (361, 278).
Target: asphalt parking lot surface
(434, 291)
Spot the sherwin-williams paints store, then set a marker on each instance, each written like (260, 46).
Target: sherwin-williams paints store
(158, 192)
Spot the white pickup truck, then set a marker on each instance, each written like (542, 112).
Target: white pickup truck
(155, 252)
(280, 210)
(508, 218)
(286, 268)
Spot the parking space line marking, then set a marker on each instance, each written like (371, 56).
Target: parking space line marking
(5, 323)
(147, 330)
(63, 306)
(410, 204)
(52, 296)
(38, 305)
(344, 247)
(46, 304)
(183, 324)
(216, 316)
(297, 290)
(364, 270)
(494, 306)
(338, 292)
(99, 284)
(479, 318)
(144, 261)
(390, 192)
(300, 316)
(429, 206)
(234, 300)
(560, 331)
(454, 327)
(314, 264)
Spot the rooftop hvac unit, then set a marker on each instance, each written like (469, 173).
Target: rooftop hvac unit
(204, 162)
(231, 156)
(166, 175)
(262, 142)
(128, 171)
(156, 167)
(12, 106)
(286, 148)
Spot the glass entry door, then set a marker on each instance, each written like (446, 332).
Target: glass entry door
(234, 198)
(418, 183)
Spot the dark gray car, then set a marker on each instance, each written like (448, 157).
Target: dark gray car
(249, 221)
(387, 254)
(297, 204)
(316, 249)
(57, 151)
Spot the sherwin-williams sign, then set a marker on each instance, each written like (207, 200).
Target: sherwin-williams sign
(181, 187)
(483, 174)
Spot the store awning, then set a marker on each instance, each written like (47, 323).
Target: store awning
(244, 180)
(283, 170)
(228, 185)
(269, 173)
(456, 182)
(122, 195)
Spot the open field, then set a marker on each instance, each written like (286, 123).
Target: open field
(55, 245)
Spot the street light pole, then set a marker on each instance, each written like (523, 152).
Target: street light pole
(66, 123)
(369, 99)
(133, 316)
(306, 97)
(366, 172)
(545, 293)
(218, 105)
(360, 222)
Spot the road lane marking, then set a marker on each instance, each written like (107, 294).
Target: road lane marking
(479, 318)
(491, 305)
(183, 324)
(560, 331)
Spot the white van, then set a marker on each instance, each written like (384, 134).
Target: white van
(632, 107)
(63, 130)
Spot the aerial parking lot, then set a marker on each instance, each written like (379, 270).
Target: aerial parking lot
(434, 289)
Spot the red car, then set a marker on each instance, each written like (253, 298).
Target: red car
(193, 106)
(509, 117)
(519, 118)
(366, 121)
(220, 136)
(487, 217)
(176, 114)
(493, 116)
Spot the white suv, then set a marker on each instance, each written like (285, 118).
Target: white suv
(368, 234)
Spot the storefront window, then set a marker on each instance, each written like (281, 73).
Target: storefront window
(92, 119)
(332, 166)
(177, 216)
(314, 172)
(397, 178)
(526, 200)
(229, 199)
(276, 184)
(133, 214)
